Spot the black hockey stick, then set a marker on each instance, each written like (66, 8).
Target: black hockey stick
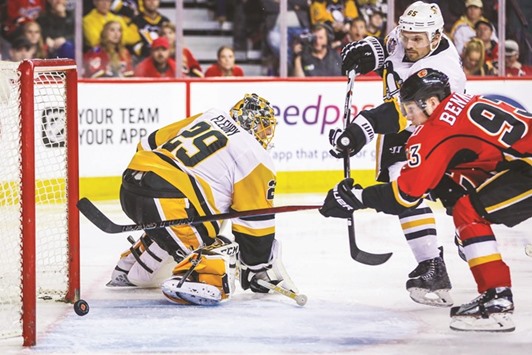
(93, 214)
(356, 253)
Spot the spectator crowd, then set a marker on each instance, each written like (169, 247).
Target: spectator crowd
(133, 38)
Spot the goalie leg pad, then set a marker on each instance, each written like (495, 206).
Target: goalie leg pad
(203, 277)
(144, 265)
(225, 246)
(189, 292)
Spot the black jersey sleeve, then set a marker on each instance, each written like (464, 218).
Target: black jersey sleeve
(384, 118)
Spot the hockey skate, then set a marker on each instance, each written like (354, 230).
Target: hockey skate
(489, 312)
(429, 284)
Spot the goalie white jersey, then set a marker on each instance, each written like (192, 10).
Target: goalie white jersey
(217, 165)
(445, 58)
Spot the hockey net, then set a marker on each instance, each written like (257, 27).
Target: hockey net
(39, 223)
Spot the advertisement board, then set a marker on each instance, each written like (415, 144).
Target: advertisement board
(114, 115)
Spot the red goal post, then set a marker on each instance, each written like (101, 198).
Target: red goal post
(39, 221)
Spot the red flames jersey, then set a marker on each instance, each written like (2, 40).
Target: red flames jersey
(467, 136)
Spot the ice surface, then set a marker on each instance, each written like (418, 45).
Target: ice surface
(351, 308)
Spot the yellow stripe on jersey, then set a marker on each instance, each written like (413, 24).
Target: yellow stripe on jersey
(150, 161)
(388, 96)
(506, 203)
(208, 194)
(252, 192)
(378, 154)
(400, 200)
(253, 232)
(418, 222)
(168, 132)
(484, 260)
(174, 208)
(509, 202)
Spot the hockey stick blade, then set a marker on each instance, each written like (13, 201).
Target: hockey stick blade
(93, 214)
(360, 255)
(368, 258)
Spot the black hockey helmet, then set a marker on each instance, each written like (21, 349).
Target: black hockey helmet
(423, 84)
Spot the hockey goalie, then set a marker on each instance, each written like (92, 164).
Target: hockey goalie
(212, 162)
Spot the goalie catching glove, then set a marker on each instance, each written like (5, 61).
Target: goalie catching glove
(343, 200)
(351, 140)
(363, 56)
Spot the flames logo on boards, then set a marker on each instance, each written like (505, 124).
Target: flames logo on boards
(53, 127)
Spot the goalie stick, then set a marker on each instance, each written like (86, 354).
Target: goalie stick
(300, 299)
(93, 214)
(356, 253)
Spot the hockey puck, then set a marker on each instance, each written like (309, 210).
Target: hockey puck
(81, 307)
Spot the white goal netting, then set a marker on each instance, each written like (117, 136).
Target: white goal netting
(38, 166)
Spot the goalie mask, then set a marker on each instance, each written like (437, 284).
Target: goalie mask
(423, 84)
(423, 17)
(255, 115)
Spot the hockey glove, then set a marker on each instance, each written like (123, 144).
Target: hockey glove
(352, 139)
(248, 279)
(364, 56)
(272, 271)
(343, 200)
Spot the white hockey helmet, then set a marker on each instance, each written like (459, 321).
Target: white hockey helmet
(422, 17)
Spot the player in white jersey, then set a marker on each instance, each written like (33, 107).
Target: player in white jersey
(417, 42)
(209, 163)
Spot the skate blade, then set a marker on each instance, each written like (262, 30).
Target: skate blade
(437, 298)
(496, 322)
(191, 292)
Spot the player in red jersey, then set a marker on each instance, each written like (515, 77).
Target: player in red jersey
(474, 154)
